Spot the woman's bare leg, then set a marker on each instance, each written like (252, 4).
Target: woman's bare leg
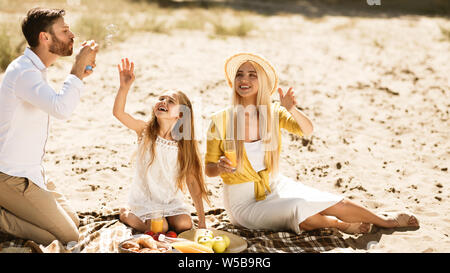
(350, 212)
(321, 221)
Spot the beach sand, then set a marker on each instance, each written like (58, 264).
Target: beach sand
(376, 89)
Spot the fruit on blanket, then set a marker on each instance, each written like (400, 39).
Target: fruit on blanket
(191, 247)
(151, 233)
(171, 234)
(206, 241)
(226, 239)
(219, 244)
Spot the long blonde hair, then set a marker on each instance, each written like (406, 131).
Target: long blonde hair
(268, 128)
(189, 161)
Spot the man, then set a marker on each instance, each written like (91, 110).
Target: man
(29, 208)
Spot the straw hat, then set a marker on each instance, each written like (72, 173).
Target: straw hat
(233, 63)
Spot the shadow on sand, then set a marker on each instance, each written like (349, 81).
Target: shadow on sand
(364, 242)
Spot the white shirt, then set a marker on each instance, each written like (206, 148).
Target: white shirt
(255, 154)
(26, 103)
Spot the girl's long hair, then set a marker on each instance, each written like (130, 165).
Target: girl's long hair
(189, 161)
(268, 126)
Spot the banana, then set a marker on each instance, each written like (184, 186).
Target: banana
(191, 247)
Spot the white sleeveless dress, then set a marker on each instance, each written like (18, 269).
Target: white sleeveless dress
(155, 188)
(289, 203)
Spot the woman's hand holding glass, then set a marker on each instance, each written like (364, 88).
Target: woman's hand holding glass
(228, 163)
(224, 165)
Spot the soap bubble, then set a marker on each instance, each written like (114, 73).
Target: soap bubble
(112, 30)
(108, 39)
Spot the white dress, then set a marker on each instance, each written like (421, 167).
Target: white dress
(288, 204)
(155, 188)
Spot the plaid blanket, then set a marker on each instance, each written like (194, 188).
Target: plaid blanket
(267, 241)
(101, 232)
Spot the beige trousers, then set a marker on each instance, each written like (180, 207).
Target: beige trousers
(29, 212)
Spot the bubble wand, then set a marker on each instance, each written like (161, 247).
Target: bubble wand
(112, 31)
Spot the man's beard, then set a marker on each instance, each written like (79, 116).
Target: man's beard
(60, 48)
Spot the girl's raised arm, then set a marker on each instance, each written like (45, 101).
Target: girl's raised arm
(126, 74)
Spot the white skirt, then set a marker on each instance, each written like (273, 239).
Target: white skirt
(289, 204)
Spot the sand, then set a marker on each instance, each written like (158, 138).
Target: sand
(376, 89)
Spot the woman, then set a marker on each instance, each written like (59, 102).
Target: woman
(256, 196)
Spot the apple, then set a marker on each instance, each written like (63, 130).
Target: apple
(209, 234)
(204, 233)
(227, 240)
(208, 242)
(219, 244)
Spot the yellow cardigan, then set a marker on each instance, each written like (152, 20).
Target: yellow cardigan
(215, 149)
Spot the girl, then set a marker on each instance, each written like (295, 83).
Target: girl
(255, 195)
(165, 165)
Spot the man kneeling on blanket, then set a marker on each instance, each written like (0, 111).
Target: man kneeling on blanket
(29, 208)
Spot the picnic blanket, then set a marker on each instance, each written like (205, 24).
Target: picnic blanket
(267, 241)
(101, 232)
